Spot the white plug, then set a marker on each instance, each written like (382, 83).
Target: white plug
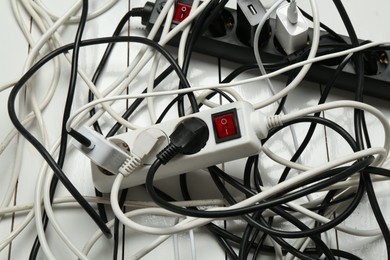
(142, 149)
(292, 12)
(291, 28)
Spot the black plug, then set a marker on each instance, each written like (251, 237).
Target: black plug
(147, 11)
(189, 137)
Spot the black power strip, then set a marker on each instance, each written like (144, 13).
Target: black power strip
(223, 41)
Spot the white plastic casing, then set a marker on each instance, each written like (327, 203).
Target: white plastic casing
(291, 37)
(250, 124)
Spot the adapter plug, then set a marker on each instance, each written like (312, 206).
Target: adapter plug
(249, 15)
(291, 29)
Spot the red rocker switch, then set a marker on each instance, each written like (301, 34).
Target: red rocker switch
(182, 11)
(226, 126)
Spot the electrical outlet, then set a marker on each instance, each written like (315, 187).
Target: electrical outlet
(235, 131)
(232, 46)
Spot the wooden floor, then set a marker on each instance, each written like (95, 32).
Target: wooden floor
(370, 19)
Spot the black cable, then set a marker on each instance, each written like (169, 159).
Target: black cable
(342, 174)
(222, 241)
(261, 224)
(276, 200)
(64, 137)
(319, 229)
(360, 124)
(172, 103)
(312, 127)
(122, 200)
(103, 61)
(325, 27)
(236, 239)
(194, 35)
(40, 148)
(259, 218)
(235, 73)
(138, 101)
(205, 18)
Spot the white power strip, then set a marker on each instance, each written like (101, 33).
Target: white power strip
(235, 131)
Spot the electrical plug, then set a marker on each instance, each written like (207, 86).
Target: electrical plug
(143, 147)
(196, 141)
(189, 137)
(291, 28)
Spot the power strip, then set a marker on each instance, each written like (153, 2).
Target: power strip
(228, 44)
(234, 129)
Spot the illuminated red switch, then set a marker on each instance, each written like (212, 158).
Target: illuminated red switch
(226, 126)
(182, 11)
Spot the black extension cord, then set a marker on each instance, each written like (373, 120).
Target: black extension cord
(225, 44)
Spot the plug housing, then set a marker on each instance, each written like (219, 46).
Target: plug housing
(291, 36)
(249, 15)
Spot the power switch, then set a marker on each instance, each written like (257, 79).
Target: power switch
(226, 126)
(182, 11)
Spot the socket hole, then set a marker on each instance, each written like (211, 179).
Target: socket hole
(222, 25)
(375, 62)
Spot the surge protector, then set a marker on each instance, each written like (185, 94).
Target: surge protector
(230, 44)
(235, 131)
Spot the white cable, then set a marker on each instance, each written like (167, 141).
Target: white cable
(190, 223)
(184, 36)
(34, 53)
(312, 53)
(20, 143)
(176, 244)
(282, 161)
(69, 201)
(37, 108)
(148, 248)
(193, 247)
(53, 221)
(107, 6)
(38, 214)
(6, 200)
(19, 20)
(277, 249)
(50, 94)
(7, 85)
(199, 88)
(16, 231)
(133, 71)
(351, 104)
(256, 40)
(89, 83)
(342, 228)
(136, 65)
(201, 98)
(153, 70)
(139, 254)
(43, 190)
(262, 69)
